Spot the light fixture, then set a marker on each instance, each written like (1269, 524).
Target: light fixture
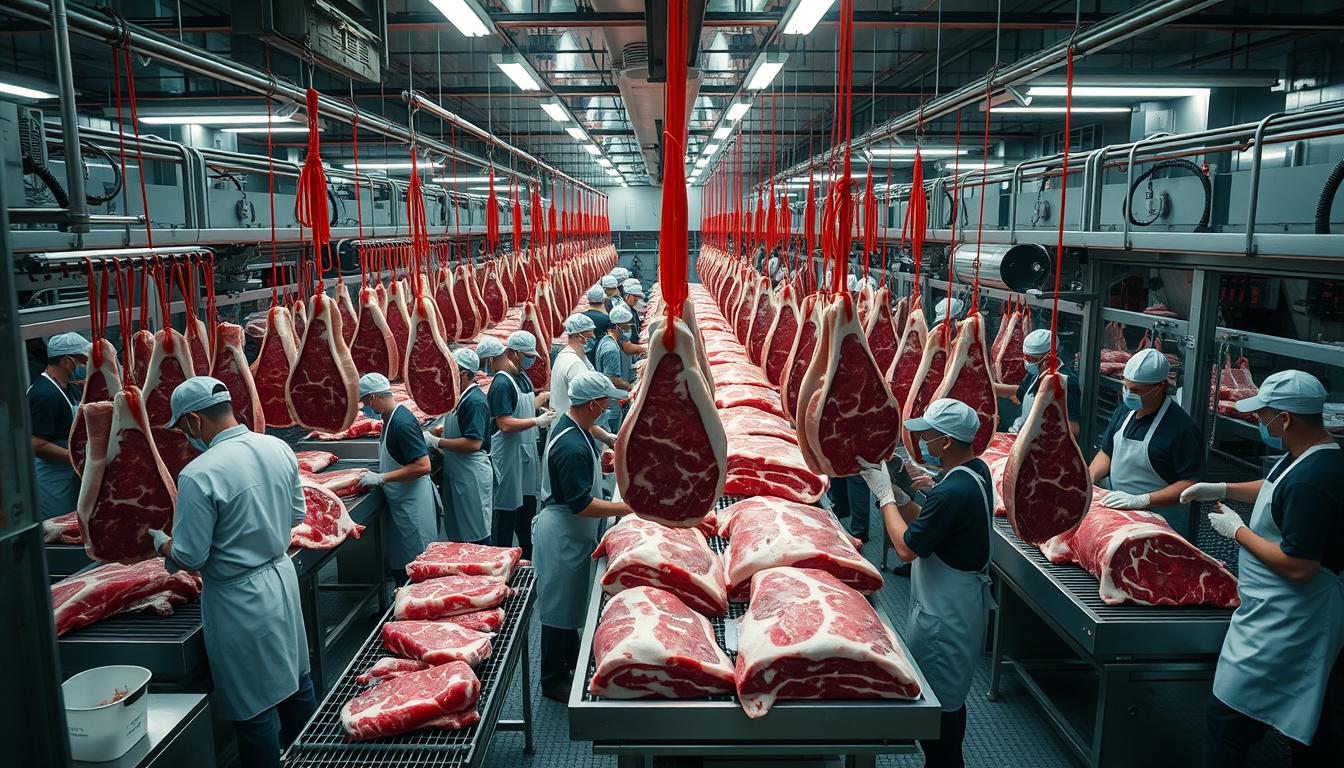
(737, 110)
(478, 189)
(592, 149)
(702, 162)
(767, 65)
(461, 179)
(577, 132)
(214, 120)
(1116, 91)
(711, 149)
(1021, 99)
(556, 110)
(396, 166)
(517, 70)
(604, 162)
(24, 93)
(910, 151)
(802, 15)
(277, 129)
(468, 17)
(1060, 110)
(613, 172)
(722, 132)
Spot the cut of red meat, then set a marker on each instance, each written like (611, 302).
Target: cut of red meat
(688, 317)
(744, 420)
(772, 460)
(728, 374)
(496, 300)
(230, 367)
(674, 430)
(488, 620)
(540, 372)
(909, 353)
(650, 644)
(142, 350)
(299, 311)
(762, 319)
(451, 558)
(429, 370)
(880, 328)
(443, 303)
(126, 490)
(769, 532)
(436, 642)
(470, 318)
(109, 589)
(746, 308)
(968, 378)
(326, 521)
(174, 449)
(411, 701)
(1139, 559)
(928, 376)
(63, 529)
(102, 381)
(808, 636)
(851, 415)
(1046, 484)
(800, 357)
(270, 371)
(1006, 318)
(724, 354)
(362, 426)
(322, 391)
(1009, 364)
(996, 457)
(748, 395)
(342, 482)
(398, 317)
(641, 553)
(315, 461)
(198, 341)
(388, 668)
(349, 317)
(169, 366)
(766, 482)
(373, 347)
(447, 596)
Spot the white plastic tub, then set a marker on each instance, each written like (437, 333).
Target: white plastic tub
(105, 711)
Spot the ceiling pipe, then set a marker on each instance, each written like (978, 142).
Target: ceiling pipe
(1118, 28)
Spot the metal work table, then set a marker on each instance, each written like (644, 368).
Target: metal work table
(66, 560)
(172, 647)
(1107, 676)
(351, 449)
(323, 741)
(179, 728)
(859, 729)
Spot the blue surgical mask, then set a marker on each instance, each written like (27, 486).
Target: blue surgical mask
(1132, 400)
(1274, 443)
(1034, 369)
(368, 411)
(527, 361)
(589, 344)
(928, 456)
(79, 373)
(197, 443)
(625, 335)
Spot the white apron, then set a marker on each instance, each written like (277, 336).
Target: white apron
(949, 618)
(1133, 472)
(562, 549)
(1284, 638)
(514, 454)
(412, 506)
(57, 483)
(468, 486)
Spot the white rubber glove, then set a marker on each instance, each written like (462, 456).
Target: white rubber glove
(1204, 492)
(370, 480)
(545, 419)
(1122, 500)
(431, 441)
(878, 480)
(1226, 522)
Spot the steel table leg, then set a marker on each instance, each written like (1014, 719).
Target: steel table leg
(996, 654)
(634, 761)
(528, 745)
(860, 761)
(312, 629)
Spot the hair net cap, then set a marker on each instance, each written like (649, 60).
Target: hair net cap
(489, 347)
(522, 341)
(467, 360)
(63, 344)
(374, 384)
(1291, 391)
(596, 294)
(579, 324)
(591, 385)
(196, 394)
(944, 307)
(1147, 366)
(1037, 342)
(633, 287)
(610, 281)
(621, 314)
(620, 273)
(951, 417)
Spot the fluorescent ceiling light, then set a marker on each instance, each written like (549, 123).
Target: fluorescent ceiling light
(910, 151)
(722, 132)
(763, 72)
(804, 16)
(24, 93)
(604, 162)
(518, 72)
(1060, 110)
(711, 149)
(577, 132)
(555, 110)
(478, 189)
(1116, 91)
(469, 19)
(462, 179)
(397, 166)
(212, 119)
(278, 129)
(737, 110)
(592, 149)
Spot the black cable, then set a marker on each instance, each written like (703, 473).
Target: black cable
(116, 174)
(1327, 199)
(49, 179)
(1183, 164)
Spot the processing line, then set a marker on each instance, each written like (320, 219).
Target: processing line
(1107, 676)
(323, 742)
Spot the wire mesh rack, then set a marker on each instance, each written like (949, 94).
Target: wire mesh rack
(323, 742)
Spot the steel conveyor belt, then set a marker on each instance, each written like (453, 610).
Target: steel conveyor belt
(170, 647)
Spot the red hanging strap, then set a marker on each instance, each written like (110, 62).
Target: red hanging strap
(354, 140)
(127, 64)
(311, 202)
(1053, 364)
(672, 243)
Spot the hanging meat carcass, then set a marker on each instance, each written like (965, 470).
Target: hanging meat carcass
(444, 306)
(275, 360)
(398, 315)
(968, 378)
(1009, 363)
(928, 377)
(429, 370)
(101, 384)
(880, 328)
(471, 320)
(1046, 485)
(374, 349)
(322, 390)
(230, 367)
(800, 356)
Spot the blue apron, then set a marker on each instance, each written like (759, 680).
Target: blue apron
(949, 617)
(514, 454)
(57, 483)
(412, 506)
(468, 486)
(1284, 638)
(1132, 471)
(562, 551)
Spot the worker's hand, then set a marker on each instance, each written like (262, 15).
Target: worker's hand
(1204, 492)
(436, 430)
(431, 441)
(1226, 522)
(545, 419)
(1122, 500)
(543, 399)
(878, 480)
(370, 479)
(920, 479)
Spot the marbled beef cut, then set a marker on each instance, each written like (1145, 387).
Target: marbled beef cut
(969, 379)
(271, 369)
(643, 553)
(373, 347)
(230, 367)
(322, 391)
(429, 370)
(1046, 485)
(412, 701)
(648, 643)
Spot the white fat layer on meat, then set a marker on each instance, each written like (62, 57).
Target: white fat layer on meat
(880, 308)
(279, 329)
(786, 305)
(231, 360)
(970, 342)
(643, 645)
(306, 533)
(813, 380)
(1006, 331)
(181, 353)
(915, 334)
(107, 366)
(773, 543)
(808, 314)
(646, 553)
(372, 309)
(475, 593)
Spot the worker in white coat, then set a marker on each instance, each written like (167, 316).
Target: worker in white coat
(517, 416)
(1151, 450)
(53, 402)
(236, 504)
(464, 438)
(947, 540)
(570, 362)
(611, 285)
(612, 362)
(403, 473)
(1281, 666)
(1035, 348)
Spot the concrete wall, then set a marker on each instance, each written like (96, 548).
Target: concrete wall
(636, 209)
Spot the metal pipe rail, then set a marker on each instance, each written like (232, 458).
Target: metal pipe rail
(63, 260)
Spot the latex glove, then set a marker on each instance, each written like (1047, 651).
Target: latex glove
(1204, 492)
(431, 441)
(545, 419)
(1122, 500)
(878, 480)
(160, 538)
(920, 479)
(1226, 522)
(370, 480)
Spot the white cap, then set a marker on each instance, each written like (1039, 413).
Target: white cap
(467, 360)
(63, 344)
(196, 394)
(951, 417)
(575, 324)
(522, 341)
(1037, 342)
(632, 287)
(1291, 391)
(620, 273)
(591, 385)
(596, 294)
(940, 310)
(621, 314)
(374, 384)
(610, 281)
(489, 347)
(1147, 366)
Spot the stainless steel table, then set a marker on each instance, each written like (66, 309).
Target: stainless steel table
(180, 735)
